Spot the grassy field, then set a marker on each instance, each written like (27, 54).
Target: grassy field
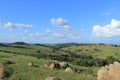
(21, 71)
(21, 55)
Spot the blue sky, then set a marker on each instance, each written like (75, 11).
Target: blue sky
(60, 21)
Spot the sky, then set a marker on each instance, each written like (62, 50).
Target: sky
(60, 21)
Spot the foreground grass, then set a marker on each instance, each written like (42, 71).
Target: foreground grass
(21, 71)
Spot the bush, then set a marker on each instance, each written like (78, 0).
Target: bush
(7, 72)
(110, 59)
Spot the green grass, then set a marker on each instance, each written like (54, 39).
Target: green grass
(23, 54)
(21, 71)
(102, 50)
(97, 51)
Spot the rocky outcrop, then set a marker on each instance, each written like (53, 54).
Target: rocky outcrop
(111, 72)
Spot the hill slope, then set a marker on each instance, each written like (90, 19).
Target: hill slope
(84, 58)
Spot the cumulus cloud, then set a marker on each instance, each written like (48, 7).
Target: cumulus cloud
(14, 25)
(109, 30)
(62, 23)
(59, 22)
(64, 33)
(9, 25)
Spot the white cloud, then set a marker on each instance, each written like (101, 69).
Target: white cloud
(1, 24)
(9, 25)
(23, 25)
(57, 35)
(67, 28)
(14, 25)
(59, 22)
(109, 30)
(48, 31)
(64, 33)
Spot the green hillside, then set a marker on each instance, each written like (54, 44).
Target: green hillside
(85, 59)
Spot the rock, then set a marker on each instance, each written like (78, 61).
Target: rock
(9, 62)
(49, 64)
(114, 71)
(52, 78)
(63, 65)
(30, 64)
(1, 72)
(52, 64)
(102, 73)
(110, 73)
(69, 69)
(57, 65)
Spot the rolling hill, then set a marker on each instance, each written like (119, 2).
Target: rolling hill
(85, 59)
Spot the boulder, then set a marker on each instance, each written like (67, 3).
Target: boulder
(69, 69)
(114, 71)
(102, 73)
(111, 72)
(52, 64)
(1, 72)
(57, 65)
(49, 64)
(63, 65)
(30, 64)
